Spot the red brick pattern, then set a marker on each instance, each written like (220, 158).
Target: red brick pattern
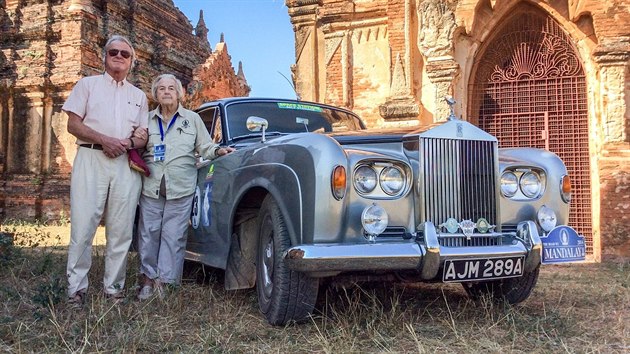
(45, 47)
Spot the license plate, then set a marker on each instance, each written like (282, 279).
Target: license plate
(458, 270)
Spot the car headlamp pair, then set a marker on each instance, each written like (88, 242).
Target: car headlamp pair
(529, 183)
(391, 179)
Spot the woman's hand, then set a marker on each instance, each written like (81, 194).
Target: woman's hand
(140, 133)
(225, 150)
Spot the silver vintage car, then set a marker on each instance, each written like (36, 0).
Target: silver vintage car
(310, 193)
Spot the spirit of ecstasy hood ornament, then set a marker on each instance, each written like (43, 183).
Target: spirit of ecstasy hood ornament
(451, 103)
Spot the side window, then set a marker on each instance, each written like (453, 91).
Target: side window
(217, 132)
(212, 119)
(207, 116)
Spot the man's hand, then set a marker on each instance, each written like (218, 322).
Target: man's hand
(113, 147)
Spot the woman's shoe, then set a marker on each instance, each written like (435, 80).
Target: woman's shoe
(146, 292)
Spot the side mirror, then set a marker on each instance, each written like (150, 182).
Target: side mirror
(255, 124)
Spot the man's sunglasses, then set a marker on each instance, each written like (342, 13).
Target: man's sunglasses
(114, 52)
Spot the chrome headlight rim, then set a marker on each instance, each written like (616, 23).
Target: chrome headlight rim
(524, 188)
(511, 192)
(360, 185)
(385, 180)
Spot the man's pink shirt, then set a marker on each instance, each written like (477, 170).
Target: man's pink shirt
(109, 107)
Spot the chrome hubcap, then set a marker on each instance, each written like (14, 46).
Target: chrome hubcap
(267, 267)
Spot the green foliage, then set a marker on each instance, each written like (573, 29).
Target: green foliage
(6, 248)
(50, 293)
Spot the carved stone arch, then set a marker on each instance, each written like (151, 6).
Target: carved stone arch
(528, 88)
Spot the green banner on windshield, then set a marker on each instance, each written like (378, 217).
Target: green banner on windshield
(300, 106)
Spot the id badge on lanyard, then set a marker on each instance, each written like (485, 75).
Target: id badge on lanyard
(159, 150)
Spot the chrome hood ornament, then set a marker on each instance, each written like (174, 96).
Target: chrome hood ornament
(451, 103)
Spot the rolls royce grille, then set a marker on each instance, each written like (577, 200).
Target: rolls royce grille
(459, 179)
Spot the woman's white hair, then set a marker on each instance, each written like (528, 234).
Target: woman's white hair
(119, 38)
(178, 86)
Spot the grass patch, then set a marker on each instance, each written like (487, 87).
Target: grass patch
(574, 308)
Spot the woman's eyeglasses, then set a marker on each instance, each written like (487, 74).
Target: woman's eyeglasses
(114, 52)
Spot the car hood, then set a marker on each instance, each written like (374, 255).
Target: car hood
(380, 134)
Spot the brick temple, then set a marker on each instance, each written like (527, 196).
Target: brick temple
(46, 46)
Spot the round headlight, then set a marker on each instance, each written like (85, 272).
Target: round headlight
(546, 218)
(365, 179)
(374, 219)
(530, 184)
(509, 184)
(392, 180)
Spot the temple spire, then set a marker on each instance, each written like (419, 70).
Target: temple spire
(240, 74)
(201, 31)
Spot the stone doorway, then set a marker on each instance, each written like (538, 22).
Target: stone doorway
(529, 89)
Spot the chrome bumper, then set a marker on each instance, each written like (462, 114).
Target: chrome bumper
(427, 257)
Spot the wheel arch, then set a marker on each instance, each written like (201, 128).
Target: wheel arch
(240, 268)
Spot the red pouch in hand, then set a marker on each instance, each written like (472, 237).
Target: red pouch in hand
(137, 163)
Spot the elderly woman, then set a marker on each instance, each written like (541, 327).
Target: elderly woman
(175, 136)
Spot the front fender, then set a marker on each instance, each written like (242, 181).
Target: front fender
(279, 180)
(515, 211)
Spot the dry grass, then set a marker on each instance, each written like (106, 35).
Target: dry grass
(575, 308)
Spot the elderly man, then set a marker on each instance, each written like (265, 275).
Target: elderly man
(108, 116)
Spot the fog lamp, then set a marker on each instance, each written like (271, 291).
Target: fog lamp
(546, 218)
(374, 219)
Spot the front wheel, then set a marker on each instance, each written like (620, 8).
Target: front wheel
(511, 290)
(283, 295)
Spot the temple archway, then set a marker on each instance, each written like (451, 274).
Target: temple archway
(528, 88)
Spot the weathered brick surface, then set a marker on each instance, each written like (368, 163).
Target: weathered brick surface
(46, 46)
(216, 79)
(615, 196)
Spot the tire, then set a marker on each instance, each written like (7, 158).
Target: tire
(283, 295)
(510, 290)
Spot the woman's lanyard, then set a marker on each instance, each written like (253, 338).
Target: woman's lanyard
(162, 132)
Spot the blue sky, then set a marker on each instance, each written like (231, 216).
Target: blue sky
(257, 32)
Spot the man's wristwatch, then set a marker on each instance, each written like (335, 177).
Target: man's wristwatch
(133, 145)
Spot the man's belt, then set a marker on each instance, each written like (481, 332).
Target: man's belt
(92, 146)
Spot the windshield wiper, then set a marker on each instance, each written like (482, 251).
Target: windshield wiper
(258, 135)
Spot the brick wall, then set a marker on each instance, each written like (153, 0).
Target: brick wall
(614, 168)
(45, 47)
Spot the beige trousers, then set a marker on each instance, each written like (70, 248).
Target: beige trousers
(162, 233)
(98, 181)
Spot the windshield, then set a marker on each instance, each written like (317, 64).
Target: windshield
(289, 117)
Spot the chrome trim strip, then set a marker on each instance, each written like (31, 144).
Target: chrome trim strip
(350, 257)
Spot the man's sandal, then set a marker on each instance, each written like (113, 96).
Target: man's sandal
(77, 300)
